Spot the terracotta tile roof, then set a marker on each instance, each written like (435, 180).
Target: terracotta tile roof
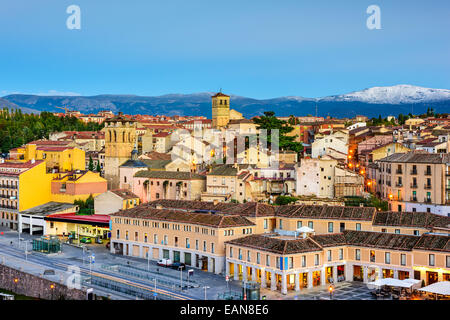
(251, 209)
(219, 94)
(156, 164)
(330, 240)
(226, 170)
(178, 175)
(380, 240)
(145, 211)
(153, 155)
(433, 242)
(20, 165)
(410, 219)
(49, 143)
(418, 157)
(326, 212)
(124, 194)
(161, 134)
(276, 245)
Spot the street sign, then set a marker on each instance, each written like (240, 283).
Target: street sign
(227, 278)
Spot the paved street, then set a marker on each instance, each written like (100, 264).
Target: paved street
(141, 273)
(342, 291)
(168, 280)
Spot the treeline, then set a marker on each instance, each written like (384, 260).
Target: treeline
(402, 118)
(17, 128)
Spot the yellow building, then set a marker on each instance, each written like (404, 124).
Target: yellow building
(76, 185)
(382, 152)
(58, 155)
(23, 185)
(284, 263)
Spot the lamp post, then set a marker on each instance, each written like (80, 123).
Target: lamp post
(148, 260)
(16, 280)
(205, 287)
(154, 294)
(52, 288)
(181, 277)
(330, 289)
(26, 250)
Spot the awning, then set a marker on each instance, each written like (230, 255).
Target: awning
(96, 220)
(304, 229)
(442, 287)
(407, 283)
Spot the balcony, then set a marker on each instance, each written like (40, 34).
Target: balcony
(7, 186)
(413, 185)
(427, 186)
(388, 171)
(413, 172)
(427, 200)
(413, 199)
(399, 171)
(7, 207)
(427, 173)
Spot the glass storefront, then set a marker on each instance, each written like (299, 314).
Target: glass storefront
(388, 273)
(316, 278)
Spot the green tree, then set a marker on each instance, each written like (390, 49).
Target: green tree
(91, 164)
(282, 200)
(270, 122)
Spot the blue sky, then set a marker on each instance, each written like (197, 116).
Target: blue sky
(259, 49)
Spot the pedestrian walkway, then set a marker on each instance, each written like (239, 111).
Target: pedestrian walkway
(341, 291)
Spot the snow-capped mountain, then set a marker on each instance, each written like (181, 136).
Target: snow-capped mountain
(371, 102)
(398, 94)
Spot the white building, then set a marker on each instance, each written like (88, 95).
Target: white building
(337, 141)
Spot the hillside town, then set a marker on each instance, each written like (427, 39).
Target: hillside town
(285, 205)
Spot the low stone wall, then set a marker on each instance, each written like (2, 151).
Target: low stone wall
(34, 286)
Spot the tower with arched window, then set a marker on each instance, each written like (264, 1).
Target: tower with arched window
(220, 110)
(120, 138)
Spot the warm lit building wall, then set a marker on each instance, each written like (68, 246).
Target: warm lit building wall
(34, 187)
(173, 236)
(86, 184)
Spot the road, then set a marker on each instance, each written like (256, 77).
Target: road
(62, 265)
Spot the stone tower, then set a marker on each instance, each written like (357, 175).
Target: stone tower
(220, 110)
(120, 139)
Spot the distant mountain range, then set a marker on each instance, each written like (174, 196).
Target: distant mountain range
(371, 102)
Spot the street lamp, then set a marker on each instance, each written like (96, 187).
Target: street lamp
(16, 280)
(181, 277)
(154, 294)
(205, 287)
(52, 288)
(330, 289)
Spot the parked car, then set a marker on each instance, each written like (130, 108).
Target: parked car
(86, 240)
(164, 262)
(177, 265)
